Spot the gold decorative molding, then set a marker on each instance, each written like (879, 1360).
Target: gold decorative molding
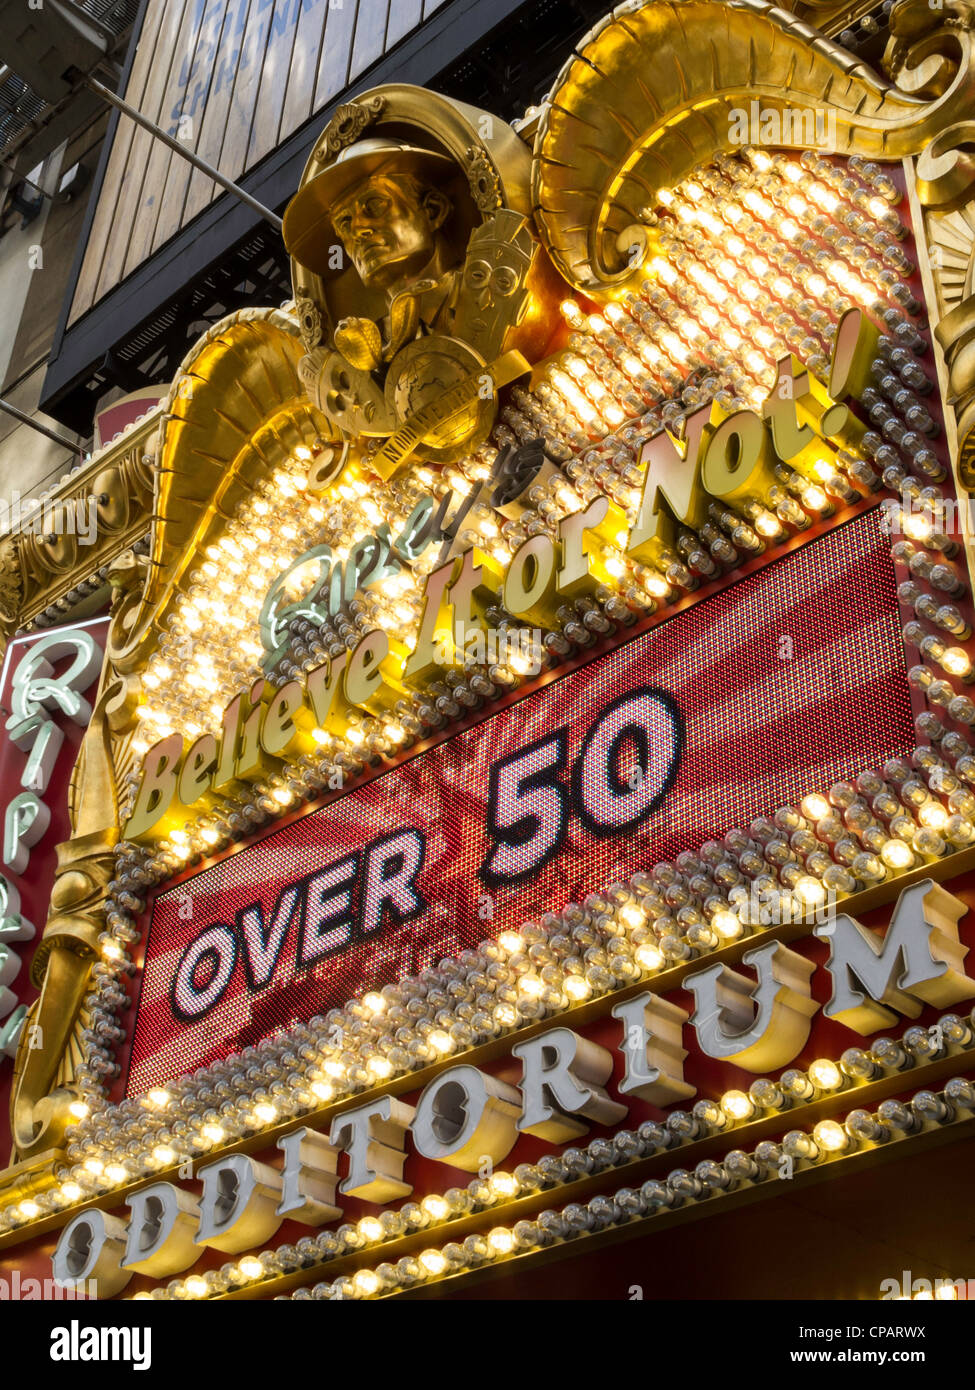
(40, 568)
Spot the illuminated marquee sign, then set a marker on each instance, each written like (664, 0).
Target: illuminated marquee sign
(45, 688)
(724, 455)
(471, 1120)
(385, 911)
(627, 760)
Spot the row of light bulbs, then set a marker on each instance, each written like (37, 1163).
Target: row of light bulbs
(740, 282)
(829, 1141)
(735, 1109)
(885, 825)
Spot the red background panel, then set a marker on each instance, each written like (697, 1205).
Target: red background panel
(787, 681)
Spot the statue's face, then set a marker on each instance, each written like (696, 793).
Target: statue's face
(387, 235)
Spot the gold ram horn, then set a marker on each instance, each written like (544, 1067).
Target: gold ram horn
(650, 91)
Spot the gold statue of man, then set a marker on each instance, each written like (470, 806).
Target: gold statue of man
(381, 198)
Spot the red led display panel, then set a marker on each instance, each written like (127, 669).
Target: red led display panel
(787, 681)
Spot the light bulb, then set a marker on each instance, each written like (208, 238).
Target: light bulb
(933, 815)
(814, 807)
(831, 1136)
(956, 662)
(649, 956)
(825, 1075)
(577, 988)
(727, 924)
(501, 1241)
(737, 1106)
(436, 1208)
(810, 891)
(897, 855)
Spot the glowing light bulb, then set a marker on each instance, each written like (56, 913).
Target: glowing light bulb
(366, 1283)
(737, 1106)
(727, 924)
(432, 1262)
(577, 988)
(195, 1286)
(956, 662)
(251, 1267)
(501, 1241)
(814, 807)
(649, 956)
(435, 1207)
(767, 525)
(831, 1136)
(664, 271)
(810, 891)
(825, 1075)
(531, 986)
(504, 1185)
(933, 815)
(897, 855)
